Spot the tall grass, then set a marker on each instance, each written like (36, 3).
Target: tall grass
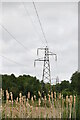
(47, 107)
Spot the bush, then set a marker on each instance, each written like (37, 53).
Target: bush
(66, 92)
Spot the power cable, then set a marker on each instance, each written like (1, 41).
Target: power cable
(40, 23)
(11, 60)
(31, 21)
(13, 37)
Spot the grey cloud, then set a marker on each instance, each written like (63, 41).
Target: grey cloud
(59, 21)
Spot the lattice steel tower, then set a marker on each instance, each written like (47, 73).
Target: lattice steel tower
(57, 80)
(46, 77)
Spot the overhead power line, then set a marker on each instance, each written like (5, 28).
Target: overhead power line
(40, 23)
(34, 27)
(12, 60)
(13, 37)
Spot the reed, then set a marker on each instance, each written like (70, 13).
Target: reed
(47, 107)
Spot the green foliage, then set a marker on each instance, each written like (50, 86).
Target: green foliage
(21, 84)
(64, 87)
(75, 82)
(58, 88)
(66, 92)
(27, 83)
(78, 107)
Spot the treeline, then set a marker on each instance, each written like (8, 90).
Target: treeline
(27, 83)
(72, 87)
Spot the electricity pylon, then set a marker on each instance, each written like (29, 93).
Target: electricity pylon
(57, 80)
(46, 77)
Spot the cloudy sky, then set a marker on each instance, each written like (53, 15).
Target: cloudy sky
(60, 25)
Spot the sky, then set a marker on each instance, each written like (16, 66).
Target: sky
(60, 25)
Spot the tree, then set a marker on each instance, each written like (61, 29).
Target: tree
(65, 85)
(21, 84)
(75, 82)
